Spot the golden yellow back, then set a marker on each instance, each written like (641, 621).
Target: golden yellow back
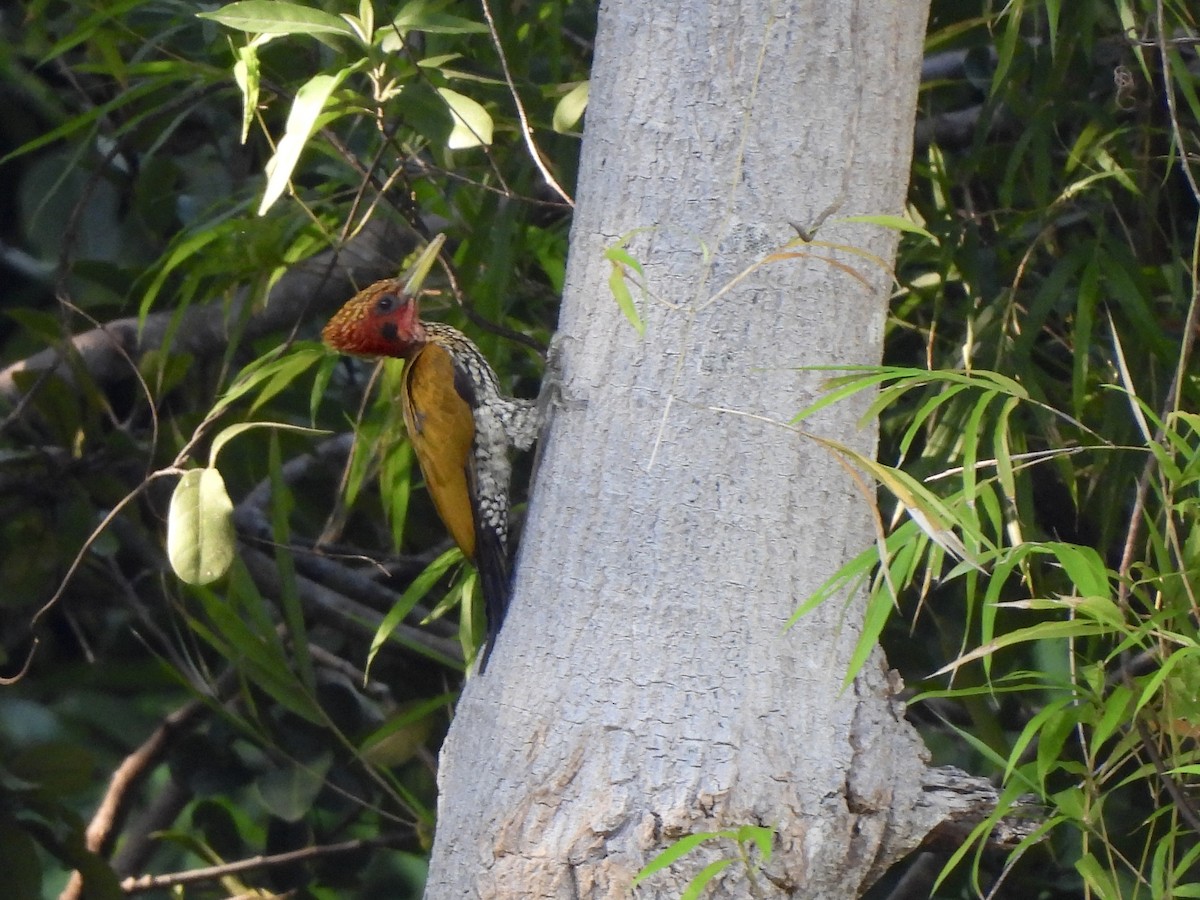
(442, 428)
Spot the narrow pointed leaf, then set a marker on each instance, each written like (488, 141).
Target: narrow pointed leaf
(302, 122)
(277, 17)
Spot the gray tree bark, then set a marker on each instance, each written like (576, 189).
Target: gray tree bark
(644, 687)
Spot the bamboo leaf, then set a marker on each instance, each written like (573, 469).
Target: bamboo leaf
(302, 122)
(228, 434)
(1040, 632)
(676, 852)
(696, 886)
(896, 223)
(621, 293)
(421, 585)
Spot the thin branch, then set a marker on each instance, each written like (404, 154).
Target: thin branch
(343, 613)
(202, 330)
(526, 129)
(131, 774)
(213, 873)
(250, 517)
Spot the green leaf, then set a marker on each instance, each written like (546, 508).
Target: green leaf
(697, 885)
(302, 122)
(200, 536)
(277, 17)
(244, 632)
(289, 792)
(186, 249)
(228, 434)
(621, 293)
(472, 124)
(623, 257)
(57, 767)
(276, 368)
(1043, 631)
(1097, 877)
(246, 74)
(1052, 710)
(420, 586)
(677, 851)
(570, 108)
(405, 731)
(282, 504)
(1087, 572)
(395, 484)
(422, 15)
(19, 861)
(897, 223)
(762, 836)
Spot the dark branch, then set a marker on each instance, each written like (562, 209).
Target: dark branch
(319, 284)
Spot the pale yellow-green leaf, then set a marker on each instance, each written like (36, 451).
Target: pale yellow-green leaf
(897, 223)
(618, 254)
(472, 124)
(569, 109)
(1043, 631)
(302, 122)
(277, 17)
(200, 534)
(620, 292)
(246, 74)
(425, 15)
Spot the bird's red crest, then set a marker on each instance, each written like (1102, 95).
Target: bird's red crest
(379, 321)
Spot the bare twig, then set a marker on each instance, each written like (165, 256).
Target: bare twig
(250, 517)
(203, 330)
(212, 873)
(526, 129)
(342, 612)
(130, 774)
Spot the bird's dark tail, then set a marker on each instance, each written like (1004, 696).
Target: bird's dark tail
(491, 559)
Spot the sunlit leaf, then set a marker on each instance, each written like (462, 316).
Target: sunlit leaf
(302, 122)
(201, 541)
(677, 851)
(569, 110)
(246, 74)
(621, 293)
(695, 887)
(425, 15)
(277, 17)
(896, 223)
(472, 123)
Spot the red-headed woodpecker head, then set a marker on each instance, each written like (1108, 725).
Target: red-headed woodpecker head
(379, 321)
(383, 319)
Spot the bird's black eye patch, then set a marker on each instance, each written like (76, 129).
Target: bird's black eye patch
(386, 303)
(389, 331)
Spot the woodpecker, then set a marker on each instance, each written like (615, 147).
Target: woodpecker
(459, 423)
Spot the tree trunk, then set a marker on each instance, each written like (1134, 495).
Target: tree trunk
(644, 687)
